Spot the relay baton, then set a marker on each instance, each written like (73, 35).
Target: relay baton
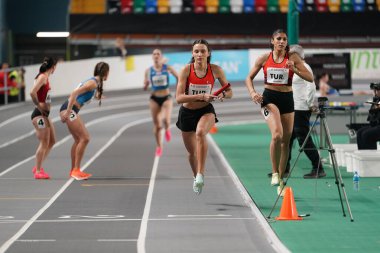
(223, 88)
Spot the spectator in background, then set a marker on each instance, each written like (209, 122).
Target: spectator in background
(304, 94)
(368, 136)
(3, 78)
(120, 47)
(324, 88)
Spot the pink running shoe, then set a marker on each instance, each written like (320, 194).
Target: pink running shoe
(34, 170)
(41, 174)
(158, 151)
(168, 135)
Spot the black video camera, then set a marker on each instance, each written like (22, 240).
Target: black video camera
(322, 102)
(375, 86)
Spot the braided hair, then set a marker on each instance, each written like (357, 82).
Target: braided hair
(204, 42)
(101, 70)
(48, 63)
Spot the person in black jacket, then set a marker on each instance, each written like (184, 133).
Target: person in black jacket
(368, 136)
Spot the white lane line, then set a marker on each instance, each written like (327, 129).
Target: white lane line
(118, 220)
(56, 119)
(145, 217)
(15, 237)
(197, 215)
(272, 238)
(93, 122)
(42, 240)
(117, 240)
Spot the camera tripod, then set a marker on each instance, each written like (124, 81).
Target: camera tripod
(324, 136)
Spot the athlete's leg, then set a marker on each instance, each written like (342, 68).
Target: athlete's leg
(40, 123)
(155, 110)
(287, 121)
(52, 138)
(167, 108)
(203, 127)
(191, 146)
(273, 119)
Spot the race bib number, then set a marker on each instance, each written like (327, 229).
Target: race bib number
(41, 123)
(73, 115)
(48, 98)
(160, 80)
(195, 89)
(277, 75)
(265, 112)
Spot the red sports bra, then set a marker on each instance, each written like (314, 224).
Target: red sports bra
(196, 85)
(43, 93)
(277, 74)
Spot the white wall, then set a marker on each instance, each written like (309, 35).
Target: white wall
(129, 73)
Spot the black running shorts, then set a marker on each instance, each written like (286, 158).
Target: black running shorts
(283, 100)
(188, 119)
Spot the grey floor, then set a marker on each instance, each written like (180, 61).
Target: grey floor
(134, 202)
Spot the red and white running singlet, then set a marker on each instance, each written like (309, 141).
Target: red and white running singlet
(277, 74)
(197, 85)
(43, 93)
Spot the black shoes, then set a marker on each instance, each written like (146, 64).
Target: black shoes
(313, 174)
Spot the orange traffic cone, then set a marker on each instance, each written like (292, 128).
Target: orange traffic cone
(213, 129)
(288, 208)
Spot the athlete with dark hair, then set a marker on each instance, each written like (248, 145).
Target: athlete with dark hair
(45, 132)
(277, 104)
(197, 115)
(83, 94)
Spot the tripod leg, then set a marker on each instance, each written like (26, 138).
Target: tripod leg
(337, 174)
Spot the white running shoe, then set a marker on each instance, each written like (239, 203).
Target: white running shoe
(275, 179)
(281, 185)
(199, 183)
(195, 187)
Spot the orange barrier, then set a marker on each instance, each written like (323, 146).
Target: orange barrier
(213, 130)
(288, 208)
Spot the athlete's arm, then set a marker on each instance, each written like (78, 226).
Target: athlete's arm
(87, 86)
(40, 81)
(146, 79)
(173, 72)
(219, 74)
(295, 62)
(256, 97)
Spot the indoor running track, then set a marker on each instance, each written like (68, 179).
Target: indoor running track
(135, 202)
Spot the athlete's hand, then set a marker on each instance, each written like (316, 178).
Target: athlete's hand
(209, 97)
(256, 97)
(65, 116)
(290, 64)
(43, 108)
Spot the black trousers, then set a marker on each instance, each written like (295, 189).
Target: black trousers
(367, 137)
(300, 131)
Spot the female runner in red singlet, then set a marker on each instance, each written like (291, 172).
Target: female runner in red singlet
(277, 104)
(197, 115)
(40, 117)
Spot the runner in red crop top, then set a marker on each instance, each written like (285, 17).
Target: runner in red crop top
(43, 93)
(197, 115)
(277, 99)
(277, 74)
(40, 116)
